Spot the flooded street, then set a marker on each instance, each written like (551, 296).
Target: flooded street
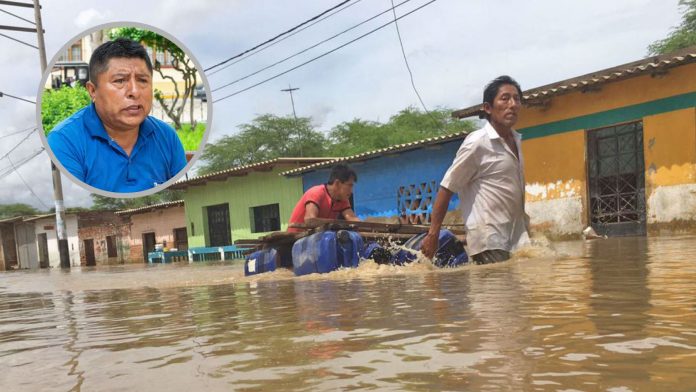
(604, 315)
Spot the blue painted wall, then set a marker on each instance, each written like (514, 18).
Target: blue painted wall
(379, 179)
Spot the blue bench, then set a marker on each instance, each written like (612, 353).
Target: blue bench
(228, 252)
(167, 257)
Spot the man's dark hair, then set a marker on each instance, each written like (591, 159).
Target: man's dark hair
(120, 47)
(342, 173)
(493, 86)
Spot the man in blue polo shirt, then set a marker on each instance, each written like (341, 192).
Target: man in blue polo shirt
(113, 144)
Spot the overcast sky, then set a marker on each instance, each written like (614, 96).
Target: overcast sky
(453, 47)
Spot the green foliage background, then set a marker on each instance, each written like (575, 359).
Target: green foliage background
(681, 36)
(57, 105)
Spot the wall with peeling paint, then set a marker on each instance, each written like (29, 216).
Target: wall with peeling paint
(554, 147)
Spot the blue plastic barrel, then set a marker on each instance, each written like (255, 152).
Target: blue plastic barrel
(260, 261)
(326, 251)
(450, 251)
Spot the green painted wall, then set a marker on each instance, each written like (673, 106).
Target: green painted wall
(241, 193)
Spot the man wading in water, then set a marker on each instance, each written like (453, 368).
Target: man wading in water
(487, 173)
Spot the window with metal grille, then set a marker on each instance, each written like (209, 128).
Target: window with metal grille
(414, 202)
(111, 246)
(265, 218)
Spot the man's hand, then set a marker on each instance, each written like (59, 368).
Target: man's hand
(429, 245)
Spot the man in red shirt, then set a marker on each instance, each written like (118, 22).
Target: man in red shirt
(330, 200)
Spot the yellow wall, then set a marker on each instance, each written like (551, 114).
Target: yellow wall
(555, 165)
(554, 159)
(670, 149)
(641, 89)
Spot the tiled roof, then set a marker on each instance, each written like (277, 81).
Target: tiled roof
(387, 150)
(244, 170)
(654, 65)
(149, 208)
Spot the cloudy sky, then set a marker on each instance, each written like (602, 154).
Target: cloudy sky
(453, 47)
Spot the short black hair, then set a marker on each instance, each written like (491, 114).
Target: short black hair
(492, 88)
(120, 47)
(342, 173)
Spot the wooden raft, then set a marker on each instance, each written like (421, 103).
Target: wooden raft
(368, 230)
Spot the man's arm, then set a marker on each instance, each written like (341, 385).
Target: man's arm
(430, 242)
(349, 215)
(311, 211)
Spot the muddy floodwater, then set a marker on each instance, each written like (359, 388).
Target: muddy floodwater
(605, 315)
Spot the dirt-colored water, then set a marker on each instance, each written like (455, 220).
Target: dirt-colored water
(604, 315)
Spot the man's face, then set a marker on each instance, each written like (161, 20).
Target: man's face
(506, 106)
(344, 189)
(123, 94)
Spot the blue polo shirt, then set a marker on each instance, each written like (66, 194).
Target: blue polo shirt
(83, 147)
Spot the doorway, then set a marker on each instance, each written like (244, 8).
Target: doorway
(148, 244)
(42, 240)
(90, 260)
(219, 225)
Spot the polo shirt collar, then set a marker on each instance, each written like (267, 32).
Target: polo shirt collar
(95, 126)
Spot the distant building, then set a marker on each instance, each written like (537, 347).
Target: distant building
(104, 238)
(395, 184)
(243, 202)
(163, 223)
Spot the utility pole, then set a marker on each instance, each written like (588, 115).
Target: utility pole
(290, 89)
(57, 182)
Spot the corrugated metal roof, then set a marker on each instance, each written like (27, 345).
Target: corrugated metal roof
(244, 170)
(370, 154)
(655, 64)
(149, 208)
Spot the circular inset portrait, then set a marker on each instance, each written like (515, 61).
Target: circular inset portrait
(124, 109)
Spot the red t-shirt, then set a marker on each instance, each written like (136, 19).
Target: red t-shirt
(319, 195)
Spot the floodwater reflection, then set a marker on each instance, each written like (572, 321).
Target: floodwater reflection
(609, 315)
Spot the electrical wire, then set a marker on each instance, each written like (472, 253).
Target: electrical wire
(17, 16)
(27, 185)
(306, 49)
(7, 154)
(408, 67)
(321, 55)
(2, 94)
(283, 39)
(20, 41)
(17, 132)
(278, 36)
(5, 171)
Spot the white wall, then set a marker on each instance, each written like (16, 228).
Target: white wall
(73, 242)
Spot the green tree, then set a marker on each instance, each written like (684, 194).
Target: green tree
(681, 36)
(410, 124)
(57, 105)
(181, 63)
(17, 209)
(266, 137)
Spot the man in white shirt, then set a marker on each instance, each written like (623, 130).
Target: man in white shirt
(488, 175)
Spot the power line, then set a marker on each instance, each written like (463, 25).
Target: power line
(284, 38)
(17, 16)
(408, 67)
(321, 55)
(306, 49)
(2, 94)
(5, 171)
(27, 185)
(20, 41)
(17, 132)
(278, 36)
(7, 154)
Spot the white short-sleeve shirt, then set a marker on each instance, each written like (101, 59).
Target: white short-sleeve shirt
(489, 180)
